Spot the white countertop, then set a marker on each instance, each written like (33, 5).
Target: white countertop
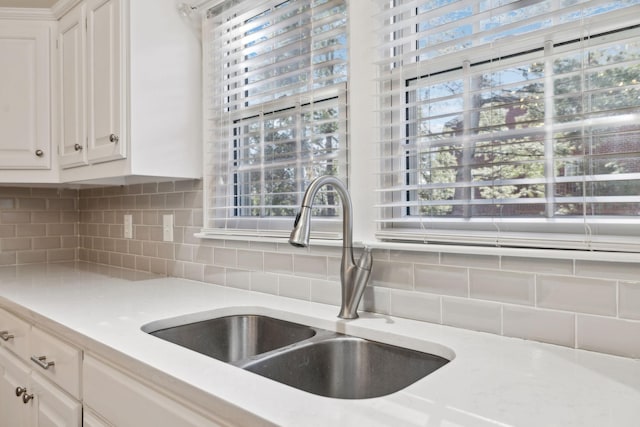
(491, 381)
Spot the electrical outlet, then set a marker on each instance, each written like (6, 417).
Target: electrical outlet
(128, 227)
(167, 228)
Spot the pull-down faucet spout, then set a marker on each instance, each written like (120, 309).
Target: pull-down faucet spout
(353, 276)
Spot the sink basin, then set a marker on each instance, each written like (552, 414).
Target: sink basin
(238, 337)
(347, 367)
(308, 358)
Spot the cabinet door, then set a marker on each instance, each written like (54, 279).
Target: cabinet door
(71, 61)
(25, 140)
(52, 407)
(105, 88)
(125, 402)
(14, 334)
(91, 419)
(13, 374)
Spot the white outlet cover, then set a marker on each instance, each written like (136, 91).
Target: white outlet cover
(128, 227)
(167, 228)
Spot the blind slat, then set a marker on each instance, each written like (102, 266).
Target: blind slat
(507, 110)
(276, 110)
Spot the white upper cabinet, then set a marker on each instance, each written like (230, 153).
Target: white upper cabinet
(25, 101)
(129, 88)
(71, 99)
(103, 72)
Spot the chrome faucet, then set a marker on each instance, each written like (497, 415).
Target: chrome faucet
(353, 276)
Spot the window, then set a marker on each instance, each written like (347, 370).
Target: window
(276, 76)
(510, 123)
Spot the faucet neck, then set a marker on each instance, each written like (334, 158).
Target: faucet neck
(347, 221)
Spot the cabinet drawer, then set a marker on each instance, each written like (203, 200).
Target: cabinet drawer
(56, 360)
(14, 334)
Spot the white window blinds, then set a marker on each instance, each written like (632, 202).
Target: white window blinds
(276, 75)
(510, 122)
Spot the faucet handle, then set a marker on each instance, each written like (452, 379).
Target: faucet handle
(366, 259)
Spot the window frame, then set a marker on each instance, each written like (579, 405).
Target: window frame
(396, 223)
(222, 218)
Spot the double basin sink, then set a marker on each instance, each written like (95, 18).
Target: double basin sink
(315, 360)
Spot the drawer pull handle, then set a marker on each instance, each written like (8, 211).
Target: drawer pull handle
(42, 362)
(26, 397)
(6, 336)
(20, 390)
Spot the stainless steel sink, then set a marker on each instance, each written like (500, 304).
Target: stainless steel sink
(234, 338)
(347, 367)
(315, 360)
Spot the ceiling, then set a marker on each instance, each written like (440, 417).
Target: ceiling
(27, 3)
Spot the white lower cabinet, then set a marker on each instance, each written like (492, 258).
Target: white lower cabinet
(124, 401)
(39, 377)
(91, 419)
(45, 381)
(14, 375)
(29, 400)
(52, 407)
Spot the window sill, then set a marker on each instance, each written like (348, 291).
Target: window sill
(455, 249)
(284, 239)
(512, 252)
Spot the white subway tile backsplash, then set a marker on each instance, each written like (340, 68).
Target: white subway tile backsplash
(482, 316)
(555, 327)
(376, 299)
(577, 294)
(467, 260)
(415, 257)
(264, 282)
(505, 286)
(8, 258)
(537, 265)
(442, 280)
(237, 278)
(398, 275)
(263, 246)
(31, 230)
(608, 270)
(609, 335)
(326, 291)
(333, 268)
(32, 257)
(415, 306)
(158, 266)
(214, 274)
(237, 244)
(183, 252)
(294, 287)
(275, 262)
(490, 293)
(7, 231)
(629, 300)
(250, 260)
(47, 243)
(142, 263)
(225, 257)
(164, 250)
(310, 266)
(380, 254)
(203, 254)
